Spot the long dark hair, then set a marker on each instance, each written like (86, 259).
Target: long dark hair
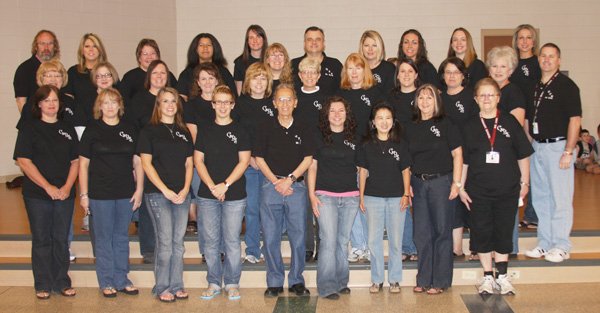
(349, 123)
(151, 68)
(413, 65)
(193, 59)
(260, 32)
(395, 132)
(421, 53)
(460, 65)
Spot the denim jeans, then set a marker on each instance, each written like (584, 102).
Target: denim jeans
(385, 213)
(312, 229)
(146, 234)
(358, 235)
(408, 244)
(434, 218)
(552, 192)
(254, 181)
(49, 223)
(170, 222)
(222, 221)
(515, 235)
(274, 210)
(111, 228)
(529, 213)
(335, 223)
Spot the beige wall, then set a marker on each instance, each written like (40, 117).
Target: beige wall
(573, 25)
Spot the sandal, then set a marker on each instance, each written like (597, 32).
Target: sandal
(181, 295)
(473, 256)
(413, 257)
(233, 293)
(419, 289)
(42, 294)
(210, 293)
(129, 290)
(109, 292)
(68, 292)
(166, 297)
(404, 257)
(435, 291)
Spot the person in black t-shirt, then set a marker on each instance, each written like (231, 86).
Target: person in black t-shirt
(283, 151)
(103, 75)
(139, 111)
(204, 48)
(46, 152)
(402, 97)
(108, 189)
(133, 81)
(412, 46)
(333, 194)
(165, 147)
(384, 185)
(371, 48)
(495, 175)
(501, 62)
(434, 144)
(43, 48)
(278, 62)
(222, 154)
(461, 46)
(254, 108)
(198, 110)
(255, 45)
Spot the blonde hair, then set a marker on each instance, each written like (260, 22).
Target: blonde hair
(286, 72)
(102, 57)
(309, 63)
(49, 66)
(534, 36)
(378, 40)
(111, 69)
(504, 52)
(357, 60)
(254, 70)
(470, 54)
(111, 94)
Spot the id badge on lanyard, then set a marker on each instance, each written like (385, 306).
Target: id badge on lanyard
(491, 157)
(537, 101)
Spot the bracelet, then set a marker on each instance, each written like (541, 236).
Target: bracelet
(524, 183)
(226, 184)
(407, 196)
(568, 152)
(83, 195)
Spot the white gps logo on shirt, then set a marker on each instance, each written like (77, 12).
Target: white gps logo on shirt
(232, 137)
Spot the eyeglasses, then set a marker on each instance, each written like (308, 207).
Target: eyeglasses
(221, 102)
(489, 96)
(452, 73)
(284, 100)
(310, 73)
(100, 76)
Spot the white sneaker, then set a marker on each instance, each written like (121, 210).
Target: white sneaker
(366, 256)
(252, 259)
(557, 255)
(536, 253)
(504, 286)
(487, 285)
(72, 256)
(355, 255)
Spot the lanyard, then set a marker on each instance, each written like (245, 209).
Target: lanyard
(491, 138)
(538, 99)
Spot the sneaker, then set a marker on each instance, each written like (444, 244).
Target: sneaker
(85, 223)
(252, 259)
(365, 257)
(557, 255)
(354, 255)
(536, 253)
(486, 287)
(394, 287)
(504, 286)
(72, 256)
(375, 288)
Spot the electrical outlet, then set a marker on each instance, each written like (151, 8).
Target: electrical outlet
(515, 274)
(469, 275)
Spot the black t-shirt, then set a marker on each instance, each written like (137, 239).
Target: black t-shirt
(511, 143)
(331, 74)
(25, 81)
(403, 104)
(309, 107)
(430, 144)
(110, 150)
(80, 84)
(186, 78)
(428, 74)
(198, 111)
(284, 148)
(133, 82)
(71, 113)
(240, 67)
(51, 147)
(336, 170)
(253, 113)
(362, 102)
(385, 76)
(220, 145)
(560, 102)
(460, 107)
(476, 71)
(169, 152)
(140, 111)
(385, 161)
(526, 75)
(511, 97)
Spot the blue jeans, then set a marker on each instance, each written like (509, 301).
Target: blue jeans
(274, 210)
(49, 223)
(529, 213)
(515, 235)
(408, 244)
(170, 222)
(385, 213)
(434, 218)
(146, 234)
(358, 236)
(111, 228)
(335, 223)
(254, 181)
(222, 221)
(552, 191)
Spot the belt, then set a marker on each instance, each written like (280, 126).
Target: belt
(298, 180)
(551, 140)
(429, 176)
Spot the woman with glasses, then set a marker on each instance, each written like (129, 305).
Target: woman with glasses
(277, 60)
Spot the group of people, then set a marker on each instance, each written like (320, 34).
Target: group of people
(284, 143)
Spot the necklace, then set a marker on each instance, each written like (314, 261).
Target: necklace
(170, 130)
(382, 145)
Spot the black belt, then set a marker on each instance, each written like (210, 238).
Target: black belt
(298, 180)
(429, 176)
(551, 140)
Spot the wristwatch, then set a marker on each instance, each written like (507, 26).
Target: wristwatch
(226, 184)
(292, 177)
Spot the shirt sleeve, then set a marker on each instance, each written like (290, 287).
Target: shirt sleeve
(244, 139)
(24, 144)
(201, 137)
(361, 156)
(144, 144)
(520, 142)
(85, 146)
(454, 137)
(405, 159)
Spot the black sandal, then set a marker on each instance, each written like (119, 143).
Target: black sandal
(42, 294)
(68, 292)
(109, 292)
(129, 290)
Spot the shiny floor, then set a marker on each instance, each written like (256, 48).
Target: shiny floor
(530, 298)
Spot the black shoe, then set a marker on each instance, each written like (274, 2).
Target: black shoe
(148, 258)
(222, 257)
(345, 291)
(333, 296)
(299, 290)
(203, 259)
(273, 292)
(309, 256)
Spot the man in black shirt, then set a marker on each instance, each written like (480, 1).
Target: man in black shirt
(553, 119)
(44, 47)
